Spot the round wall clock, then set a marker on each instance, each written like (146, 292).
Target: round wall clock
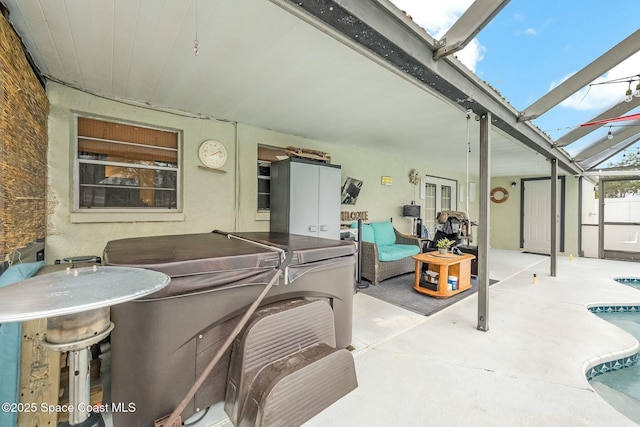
(212, 154)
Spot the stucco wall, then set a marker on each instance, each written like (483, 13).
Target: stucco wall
(209, 198)
(228, 201)
(505, 216)
(382, 202)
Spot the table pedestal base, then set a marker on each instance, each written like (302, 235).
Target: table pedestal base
(80, 414)
(94, 420)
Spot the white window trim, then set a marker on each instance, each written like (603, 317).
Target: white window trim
(439, 182)
(119, 216)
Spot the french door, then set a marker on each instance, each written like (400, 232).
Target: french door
(439, 194)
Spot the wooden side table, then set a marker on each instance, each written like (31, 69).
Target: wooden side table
(446, 265)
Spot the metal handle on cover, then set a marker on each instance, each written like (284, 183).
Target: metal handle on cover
(313, 228)
(324, 227)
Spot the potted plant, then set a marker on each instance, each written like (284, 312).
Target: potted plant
(444, 244)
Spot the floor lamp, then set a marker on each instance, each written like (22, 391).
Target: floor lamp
(413, 211)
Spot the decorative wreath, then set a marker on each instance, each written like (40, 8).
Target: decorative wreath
(505, 195)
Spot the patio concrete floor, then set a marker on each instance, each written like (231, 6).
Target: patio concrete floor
(527, 370)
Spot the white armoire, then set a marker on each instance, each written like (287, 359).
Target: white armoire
(305, 198)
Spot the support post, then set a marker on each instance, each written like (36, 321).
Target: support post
(600, 218)
(484, 220)
(554, 217)
(359, 249)
(580, 208)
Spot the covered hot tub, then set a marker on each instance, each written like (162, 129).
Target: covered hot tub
(162, 342)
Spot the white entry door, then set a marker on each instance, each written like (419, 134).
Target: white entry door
(536, 216)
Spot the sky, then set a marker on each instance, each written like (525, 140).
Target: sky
(532, 46)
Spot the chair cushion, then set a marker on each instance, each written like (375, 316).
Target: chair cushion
(383, 233)
(19, 272)
(10, 341)
(396, 252)
(367, 232)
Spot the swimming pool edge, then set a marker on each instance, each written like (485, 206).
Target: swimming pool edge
(616, 360)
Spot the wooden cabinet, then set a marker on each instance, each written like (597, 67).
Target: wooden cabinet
(444, 265)
(305, 198)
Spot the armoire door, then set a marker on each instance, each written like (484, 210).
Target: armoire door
(329, 202)
(304, 203)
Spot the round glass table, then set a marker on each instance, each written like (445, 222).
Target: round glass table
(76, 304)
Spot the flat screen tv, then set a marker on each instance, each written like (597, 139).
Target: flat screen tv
(350, 191)
(411, 211)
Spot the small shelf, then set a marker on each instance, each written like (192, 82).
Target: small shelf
(264, 185)
(211, 169)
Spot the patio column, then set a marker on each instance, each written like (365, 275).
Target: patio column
(483, 229)
(600, 218)
(554, 217)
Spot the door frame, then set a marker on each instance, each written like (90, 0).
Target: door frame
(612, 253)
(438, 181)
(562, 208)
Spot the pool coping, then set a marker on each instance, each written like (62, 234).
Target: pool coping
(616, 360)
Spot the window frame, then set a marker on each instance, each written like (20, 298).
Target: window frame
(169, 213)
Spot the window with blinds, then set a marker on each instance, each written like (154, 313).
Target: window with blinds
(126, 166)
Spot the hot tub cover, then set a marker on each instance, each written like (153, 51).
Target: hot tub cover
(205, 261)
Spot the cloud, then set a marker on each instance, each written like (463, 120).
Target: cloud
(471, 54)
(437, 18)
(603, 96)
(528, 32)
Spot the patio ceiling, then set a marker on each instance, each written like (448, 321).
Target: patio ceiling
(286, 66)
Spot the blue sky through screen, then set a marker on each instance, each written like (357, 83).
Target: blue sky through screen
(531, 46)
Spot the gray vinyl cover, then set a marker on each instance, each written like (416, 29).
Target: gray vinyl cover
(272, 333)
(292, 390)
(162, 342)
(204, 261)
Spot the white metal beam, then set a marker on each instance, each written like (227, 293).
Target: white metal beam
(554, 219)
(615, 111)
(582, 78)
(472, 21)
(380, 31)
(605, 144)
(596, 160)
(634, 172)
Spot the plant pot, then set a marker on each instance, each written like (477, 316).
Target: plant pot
(442, 250)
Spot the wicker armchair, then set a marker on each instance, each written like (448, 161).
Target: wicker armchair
(376, 271)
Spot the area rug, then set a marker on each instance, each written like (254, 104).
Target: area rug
(399, 291)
